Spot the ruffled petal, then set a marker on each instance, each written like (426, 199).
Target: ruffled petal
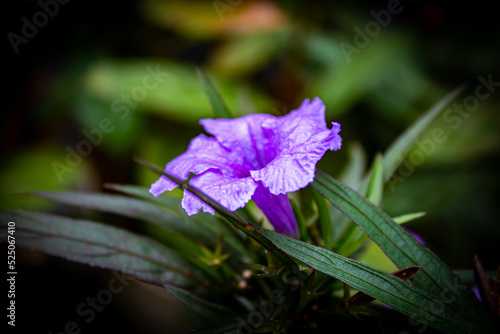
(202, 154)
(232, 193)
(246, 137)
(192, 204)
(278, 210)
(302, 139)
(299, 124)
(336, 142)
(163, 184)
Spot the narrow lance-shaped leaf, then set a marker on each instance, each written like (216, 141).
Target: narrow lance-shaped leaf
(186, 244)
(398, 149)
(207, 234)
(353, 237)
(218, 105)
(301, 224)
(129, 207)
(376, 181)
(353, 170)
(352, 175)
(172, 203)
(206, 310)
(399, 245)
(416, 303)
(362, 298)
(169, 201)
(325, 222)
(104, 246)
(408, 217)
(390, 161)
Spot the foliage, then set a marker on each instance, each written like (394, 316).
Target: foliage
(239, 276)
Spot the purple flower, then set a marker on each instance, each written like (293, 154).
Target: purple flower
(259, 157)
(476, 290)
(416, 236)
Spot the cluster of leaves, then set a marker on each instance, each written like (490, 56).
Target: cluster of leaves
(240, 277)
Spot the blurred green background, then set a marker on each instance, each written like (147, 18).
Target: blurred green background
(90, 61)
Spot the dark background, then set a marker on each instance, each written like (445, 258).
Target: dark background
(264, 57)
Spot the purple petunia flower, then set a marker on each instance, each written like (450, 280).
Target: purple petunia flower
(259, 157)
(416, 236)
(477, 292)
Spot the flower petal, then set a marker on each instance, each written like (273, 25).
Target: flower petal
(304, 122)
(278, 210)
(246, 137)
(192, 204)
(163, 184)
(294, 167)
(230, 192)
(202, 154)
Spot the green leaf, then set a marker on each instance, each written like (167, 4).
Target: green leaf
(104, 246)
(353, 237)
(408, 217)
(16, 177)
(170, 203)
(397, 244)
(393, 291)
(383, 167)
(352, 173)
(133, 208)
(344, 83)
(208, 311)
(176, 93)
(165, 199)
(182, 235)
(219, 107)
(399, 148)
(248, 229)
(301, 224)
(202, 220)
(376, 181)
(244, 55)
(325, 222)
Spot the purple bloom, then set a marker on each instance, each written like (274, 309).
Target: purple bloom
(259, 157)
(416, 236)
(475, 288)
